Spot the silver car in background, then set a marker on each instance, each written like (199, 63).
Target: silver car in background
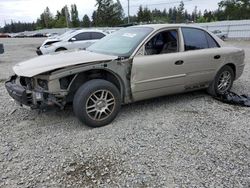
(132, 64)
(73, 39)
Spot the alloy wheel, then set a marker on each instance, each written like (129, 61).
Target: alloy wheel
(100, 105)
(224, 82)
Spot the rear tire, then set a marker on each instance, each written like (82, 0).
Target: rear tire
(97, 103)
(223, 81)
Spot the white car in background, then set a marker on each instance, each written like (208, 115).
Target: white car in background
(53, 39)
(222, 35)
(73, 39)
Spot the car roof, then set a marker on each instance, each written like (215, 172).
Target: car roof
(78, 31)
(162, 26)
(89, 30)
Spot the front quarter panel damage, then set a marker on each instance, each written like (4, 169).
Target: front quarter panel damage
(120, 68)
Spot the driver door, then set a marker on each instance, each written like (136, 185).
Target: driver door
(159, 69)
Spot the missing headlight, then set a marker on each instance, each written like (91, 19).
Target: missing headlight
(42, 83)
(26, 82)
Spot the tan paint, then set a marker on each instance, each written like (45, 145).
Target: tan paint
(158, 75)
(141, 76)
(51, 62)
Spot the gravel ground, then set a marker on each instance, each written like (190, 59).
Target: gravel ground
(187, 140)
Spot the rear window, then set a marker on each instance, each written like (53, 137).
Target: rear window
(83, 36)
(196, 39)
(211, 42)
(97, 35)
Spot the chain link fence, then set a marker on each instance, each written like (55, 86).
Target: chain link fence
(238, 29)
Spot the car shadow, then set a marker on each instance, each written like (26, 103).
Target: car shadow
(128, 109)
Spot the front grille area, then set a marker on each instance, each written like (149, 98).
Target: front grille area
(29, 98)
(26, 82)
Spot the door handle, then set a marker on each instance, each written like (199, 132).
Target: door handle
(217, 57)
(180, 62)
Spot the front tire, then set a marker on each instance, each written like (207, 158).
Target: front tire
(223, 81)
(60, 49)
(97, 103)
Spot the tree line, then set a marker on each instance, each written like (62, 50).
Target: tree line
(110, 13)
(15, 27)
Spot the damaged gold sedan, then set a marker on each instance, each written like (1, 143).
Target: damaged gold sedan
(132, 64)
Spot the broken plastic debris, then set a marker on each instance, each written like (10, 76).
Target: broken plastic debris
(235, 99)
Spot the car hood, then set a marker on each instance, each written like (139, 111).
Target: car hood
(53, 37)
(50, 40)
(58, 60)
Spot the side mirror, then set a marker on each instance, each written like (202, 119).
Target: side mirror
(72, 39)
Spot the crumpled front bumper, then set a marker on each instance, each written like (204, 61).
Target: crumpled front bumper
(18, 93)
(38, 51)
(36, 99)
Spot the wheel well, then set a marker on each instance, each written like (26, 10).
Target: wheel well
(83, 77)
(61, 48)
(233, 67)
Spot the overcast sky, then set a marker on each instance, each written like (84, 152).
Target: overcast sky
(29, 10)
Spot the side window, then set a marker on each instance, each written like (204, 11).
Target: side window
(83, 36)
(211, 42)
(96, 35)
(194, 39)
(162, 43)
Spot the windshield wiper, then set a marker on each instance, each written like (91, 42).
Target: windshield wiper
(120, 58)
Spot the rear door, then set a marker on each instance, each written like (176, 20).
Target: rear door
(201, 57)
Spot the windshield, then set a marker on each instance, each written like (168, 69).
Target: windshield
(121, 43)
(66, 33)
